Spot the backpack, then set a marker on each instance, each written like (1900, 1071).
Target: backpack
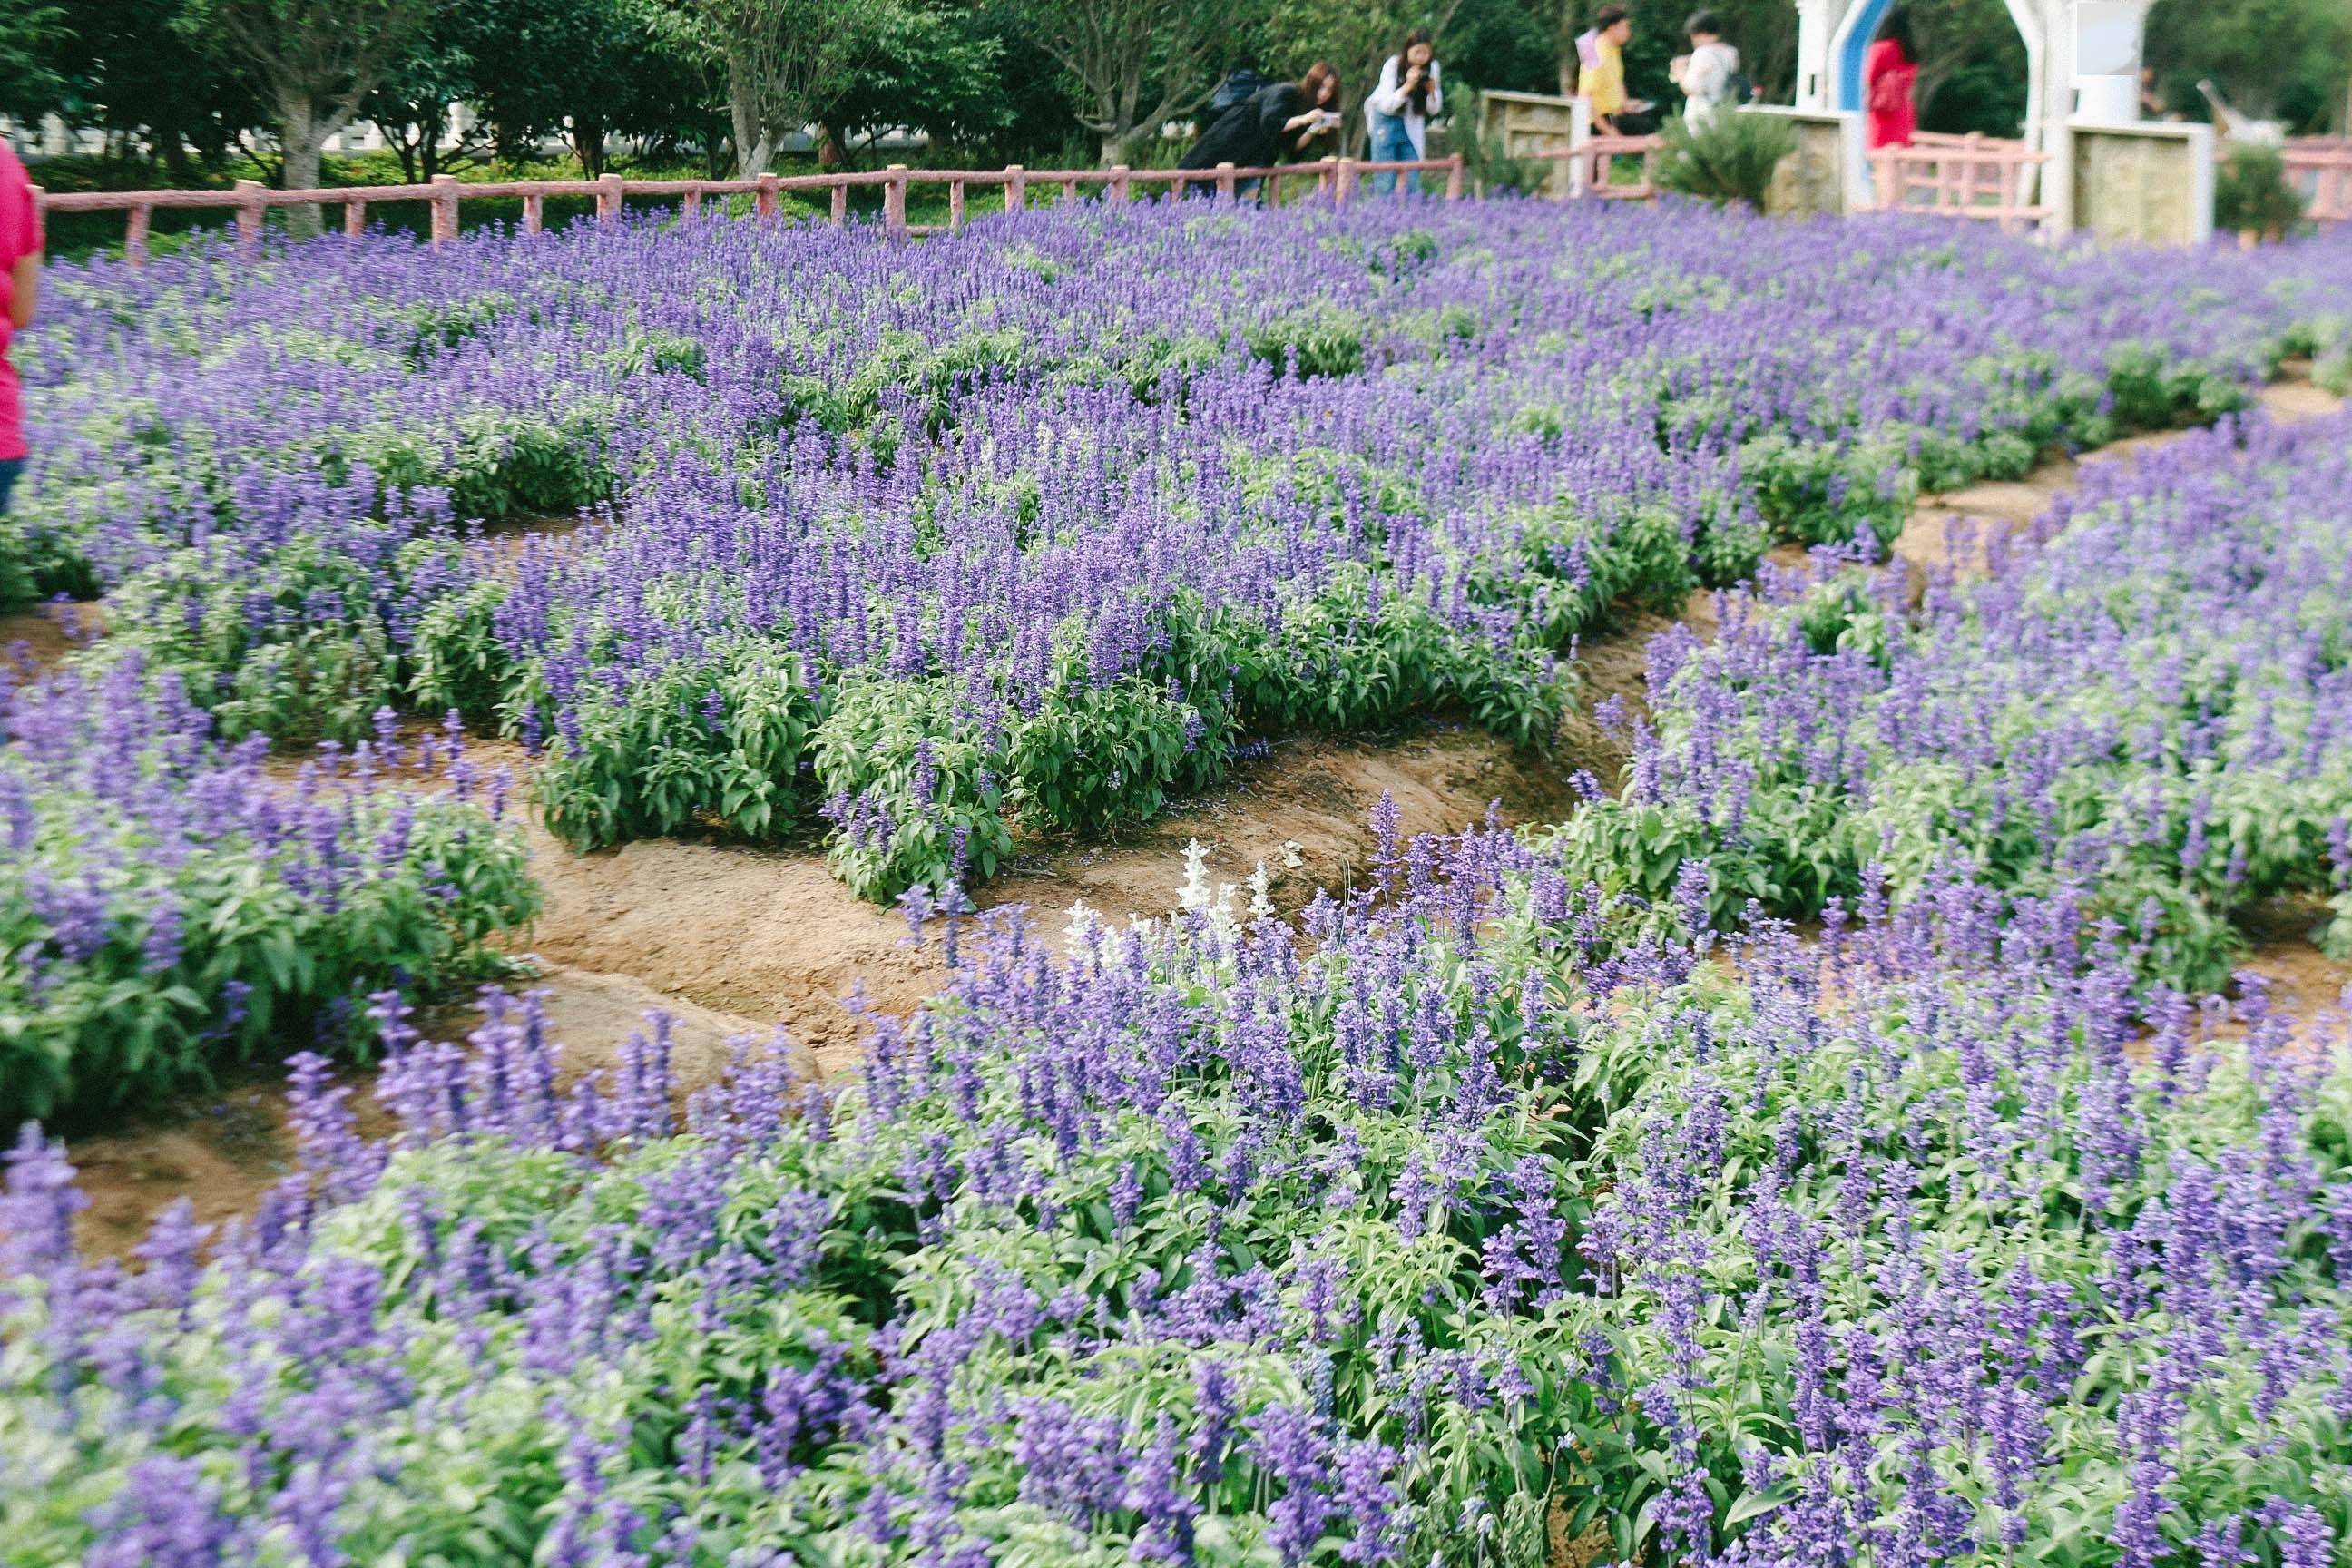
(1239, 88)
(1737, 88)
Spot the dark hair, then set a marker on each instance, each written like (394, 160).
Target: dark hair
(1896, 30)
(1706, 22)
(1420, 94)
(1311, 84)
(1608, 16)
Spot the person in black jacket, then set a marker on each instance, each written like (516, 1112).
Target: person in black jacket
(1272, 122)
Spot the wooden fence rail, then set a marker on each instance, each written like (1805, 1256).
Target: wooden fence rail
(2320, 167)
(1339, 179)
(1970, 176)
(1594, 171)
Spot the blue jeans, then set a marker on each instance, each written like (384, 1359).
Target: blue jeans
(9, 472)
(1391, 144)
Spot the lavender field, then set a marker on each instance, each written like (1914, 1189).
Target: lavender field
(1845, 1139)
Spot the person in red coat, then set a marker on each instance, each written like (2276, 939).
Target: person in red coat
(1889, 73)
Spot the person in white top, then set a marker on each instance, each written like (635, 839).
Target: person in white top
(1704, 74)
(1399, 110)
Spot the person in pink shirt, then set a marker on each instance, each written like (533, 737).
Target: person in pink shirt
(20, 289)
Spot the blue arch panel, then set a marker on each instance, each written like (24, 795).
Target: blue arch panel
(1868, 18)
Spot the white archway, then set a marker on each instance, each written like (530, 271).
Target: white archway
(2082, 56)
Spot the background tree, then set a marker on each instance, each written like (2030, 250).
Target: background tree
(316, 60)
(412, 106)
(1133, 65)
(588, 70)
(1041, 122)
(1505, 44)
(669, 109)
(2273, 59)
(934, 69)
(778, 62)
(134, 74)
(1972, 67)
(33, 37)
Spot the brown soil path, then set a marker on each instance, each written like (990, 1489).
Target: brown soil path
(1976, 514)
(40, 637)
(223, 1150)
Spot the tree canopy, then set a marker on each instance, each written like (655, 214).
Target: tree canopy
(731, 83)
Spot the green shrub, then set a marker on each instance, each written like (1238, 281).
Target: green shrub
(914, 790)
(2250, 193)
(1731, 158)
(721, 740)
(1823, 492)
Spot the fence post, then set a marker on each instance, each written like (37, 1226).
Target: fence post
(1343, 177)
(894, 200)
(840, 205)
(767, 196)
(1119, 181)
(248, 216)
(1455, 172)
(1226, 179)
(134, 235)
(608, 199)
(354, 219)
(692, 205)
(955, 203)
(534, 212)
(1016, 188)
(444, 208)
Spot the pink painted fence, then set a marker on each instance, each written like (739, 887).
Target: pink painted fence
(1969, 176)
(1339, 178)
(2321, 168)
(1595, 168)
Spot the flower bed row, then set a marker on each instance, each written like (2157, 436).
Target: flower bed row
(2147, 709)
(1030, 526)
(169, 907)
(1200, 1248)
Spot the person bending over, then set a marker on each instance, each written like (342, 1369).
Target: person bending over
(1271, 124)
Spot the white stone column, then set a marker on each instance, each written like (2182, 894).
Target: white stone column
(2104, 74)
(1814, 26)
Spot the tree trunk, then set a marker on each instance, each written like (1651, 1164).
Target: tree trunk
(1118, 103)
(752, 149)
(588, 145)
(300, 140)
